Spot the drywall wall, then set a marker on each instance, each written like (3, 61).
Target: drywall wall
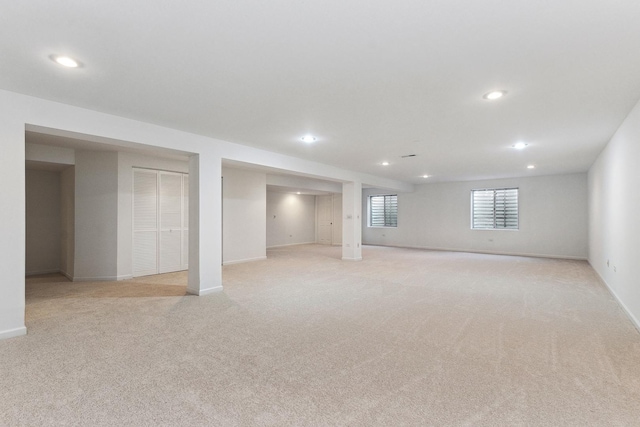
(290, 219)
(614, 215)
(67, 221)
(20, 113)
(12, 222)
(96, 210)
(43, 221)
(243, 213)
(552, 216)
(126, 163)
(49, 154)
(302, 183)
(337, 220)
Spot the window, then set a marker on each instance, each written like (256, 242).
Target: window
(494, 209)
(383, 211)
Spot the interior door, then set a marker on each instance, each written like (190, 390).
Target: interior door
(171, 222)
(325, 219)
(185, 222)
(145, 222)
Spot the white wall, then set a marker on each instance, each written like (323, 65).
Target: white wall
(50, 154)
(67, 221)
(614, 215)
(552, 216)
(126, 163)
(43, 221)
(96, 213)
(21, 112)
(337, 220)
(243, 213)
(291, 219)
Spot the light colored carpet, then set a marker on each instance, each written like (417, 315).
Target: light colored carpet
(405, 337)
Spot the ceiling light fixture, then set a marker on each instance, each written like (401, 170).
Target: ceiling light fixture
(385, 163)
(298, 192)
(308, 139)
(519, 145)
(531, 167)
(496, 94)
(425, 176)
(65, 61)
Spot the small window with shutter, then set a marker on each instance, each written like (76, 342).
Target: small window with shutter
(383, 211)
(494, 209)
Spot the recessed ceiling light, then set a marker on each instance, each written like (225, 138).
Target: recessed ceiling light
(425, 176)
(65, 61)
(385, 163)
(531, 167)
(496, 94)
(519, 145)
(298, 192)
(308, 139)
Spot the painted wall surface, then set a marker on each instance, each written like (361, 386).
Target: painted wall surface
(337, 220)
(43, 221)
(50, 154)
(290, 219)
(243, 213)
(96, 220)
(552, 217)
(67, 221)
(21, 112)
(126, 163)
(614, 215)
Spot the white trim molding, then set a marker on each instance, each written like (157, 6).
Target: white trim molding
(240, 261)
(205, 291)
(626, 310)
(11, 333)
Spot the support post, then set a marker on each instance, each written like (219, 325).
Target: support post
(351, 221)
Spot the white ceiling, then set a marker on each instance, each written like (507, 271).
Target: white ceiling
(373, 80)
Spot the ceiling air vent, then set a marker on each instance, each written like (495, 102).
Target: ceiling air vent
(408, 155)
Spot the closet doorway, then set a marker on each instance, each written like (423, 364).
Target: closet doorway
(160, 221)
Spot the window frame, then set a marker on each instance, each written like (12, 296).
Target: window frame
(369, 211)
(494, 228)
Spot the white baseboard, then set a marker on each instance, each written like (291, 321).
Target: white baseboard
(97, 279)
(630, 315)
(17, 332)
(239, 261)
(38, 272)
(202, 292)
(291, 244)
(352, 259)
(67, 275)
(523, 254)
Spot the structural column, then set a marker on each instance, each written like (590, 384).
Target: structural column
(205, 224)
(12, 227)
(352, 221)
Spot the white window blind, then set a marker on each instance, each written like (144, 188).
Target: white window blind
(383, 211)
(495, 208)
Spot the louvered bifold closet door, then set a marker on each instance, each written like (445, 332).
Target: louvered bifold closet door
(185, 222)
(145, 222)
(170, 222)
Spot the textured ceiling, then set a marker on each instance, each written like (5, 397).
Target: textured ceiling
(373, 80)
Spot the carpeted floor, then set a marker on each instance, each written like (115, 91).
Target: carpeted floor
(405, 337)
